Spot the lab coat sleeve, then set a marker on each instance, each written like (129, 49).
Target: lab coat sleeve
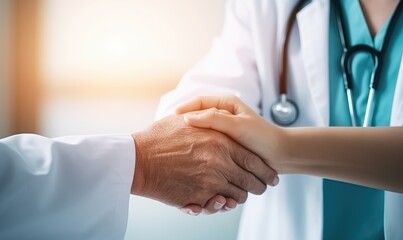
(65, 188)
(229, 68)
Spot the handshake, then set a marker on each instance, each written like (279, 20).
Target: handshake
(208, 156)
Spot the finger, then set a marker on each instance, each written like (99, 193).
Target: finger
(230, 204)
(254, 164)
(229, 103)
(234, 192)
(214, 119)
(192, 209)
(246, 181)
(215, 204)
(225, 123)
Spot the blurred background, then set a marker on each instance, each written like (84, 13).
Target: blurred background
(100, 66)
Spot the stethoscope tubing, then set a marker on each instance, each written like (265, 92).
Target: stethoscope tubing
(285, 43)
(289, 110)
(377, 56)
(346, 61)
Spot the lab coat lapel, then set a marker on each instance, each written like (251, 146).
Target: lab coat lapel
(397, 107)
(313, 24)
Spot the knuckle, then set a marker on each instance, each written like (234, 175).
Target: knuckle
(247, 183)
(212, 110)
(249, 163)
(233, 98)
(212, 113)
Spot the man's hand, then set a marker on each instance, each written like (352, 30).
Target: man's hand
(180, 165)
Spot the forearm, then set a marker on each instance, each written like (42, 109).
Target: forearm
(366, 156)
(65, 186)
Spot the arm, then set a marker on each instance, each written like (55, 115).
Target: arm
(66, 186)
(63, 187)
(366, 156)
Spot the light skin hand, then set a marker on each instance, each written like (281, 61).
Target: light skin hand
(181, 165)
(369, 157)
(231, 116)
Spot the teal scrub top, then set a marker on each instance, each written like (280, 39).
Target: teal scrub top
(352, 211)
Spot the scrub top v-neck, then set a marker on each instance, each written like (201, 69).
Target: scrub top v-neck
(351, 211)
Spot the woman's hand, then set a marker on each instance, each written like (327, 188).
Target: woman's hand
(229, 115)
(365, 156)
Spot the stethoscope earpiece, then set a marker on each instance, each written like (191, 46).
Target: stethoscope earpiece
(284, 112)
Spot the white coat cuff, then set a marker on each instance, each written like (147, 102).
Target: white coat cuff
(124, 169)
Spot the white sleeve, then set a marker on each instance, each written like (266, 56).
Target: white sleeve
(65, 188)
(228, 69)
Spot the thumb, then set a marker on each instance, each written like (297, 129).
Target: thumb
(213, 119)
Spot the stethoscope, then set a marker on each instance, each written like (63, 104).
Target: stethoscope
(285, 112)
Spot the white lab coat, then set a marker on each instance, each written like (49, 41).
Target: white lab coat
(65, 188)
(244, 61)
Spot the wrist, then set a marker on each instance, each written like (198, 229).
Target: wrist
(141, 164)
(280, 139)
(297, 143)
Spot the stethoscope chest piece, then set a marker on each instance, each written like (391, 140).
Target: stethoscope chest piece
(284, 112)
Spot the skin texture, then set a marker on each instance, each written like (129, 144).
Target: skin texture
(366, 156)
(377, 12)
(180, 165)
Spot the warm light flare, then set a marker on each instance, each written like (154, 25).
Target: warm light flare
(124, 40)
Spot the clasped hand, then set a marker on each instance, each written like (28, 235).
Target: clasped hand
(229, 115)
(204, 159)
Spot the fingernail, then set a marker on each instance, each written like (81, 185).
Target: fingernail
(189, 211)
(228, 208)
(218, 205)
(275, 181)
